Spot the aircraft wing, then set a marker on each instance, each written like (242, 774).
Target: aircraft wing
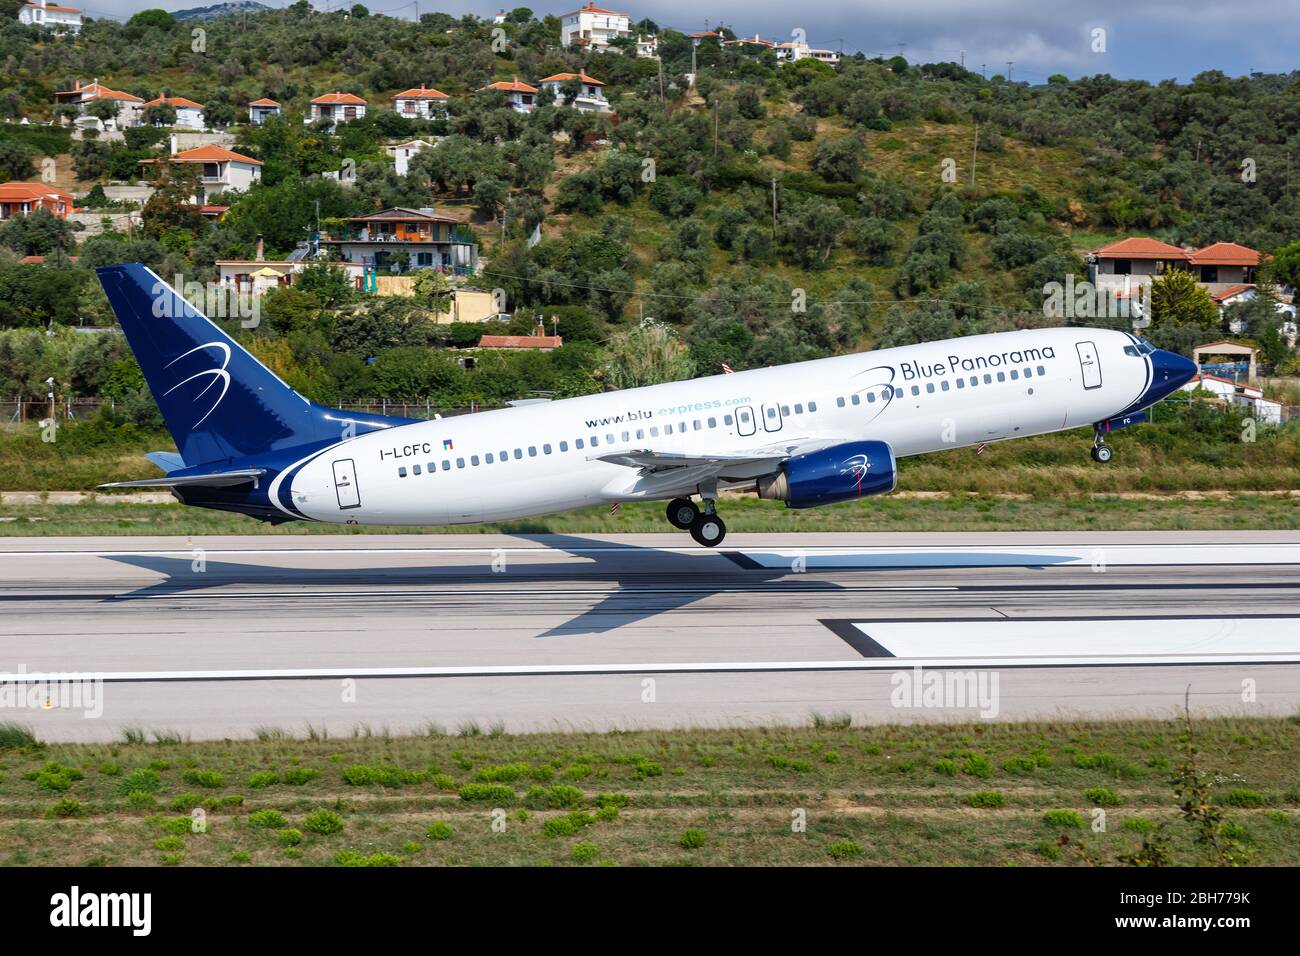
(655, 462)
(216, 479)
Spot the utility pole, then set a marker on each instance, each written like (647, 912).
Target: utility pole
(715, 128)
(984, 70)
(974, 152)
(774, 208)
(1009, 65)
(963, 59)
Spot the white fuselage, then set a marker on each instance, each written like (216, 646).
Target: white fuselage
(543, 458)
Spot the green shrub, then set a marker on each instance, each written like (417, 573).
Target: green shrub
(1102, 797)
(559, 797)
(977, 765)
(139, 800)
(985, 799)
(263, 778)
(140, 780)
(568, 824)
(67, 807)
(692, 838)
(1049, 850)
(185, 801)
(16, 736)
(648, 768)
(1139, 825)
(169, 843)
(356, 858)
(503, 773)
(177, 825)
(443, 781)
(1065, 819)
(359, 775)
(439, 830)
(1243, 798)
(211, 779)
(494, 792)
(297, 776)
(577, 771)
(584, 852)
(267, 819)
(290, 837)
(946, 767)
(55, 776)
(616, 800)
(323, 822)
(844, 849)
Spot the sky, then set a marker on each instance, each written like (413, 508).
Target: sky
(1138, 39)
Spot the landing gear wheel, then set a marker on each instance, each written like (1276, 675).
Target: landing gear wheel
(708, 530)
(682, 513)
(1102, 453)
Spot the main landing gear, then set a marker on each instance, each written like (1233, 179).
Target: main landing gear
(704, 524)
(1101, 452)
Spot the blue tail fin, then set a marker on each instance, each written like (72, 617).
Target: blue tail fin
(219, 402)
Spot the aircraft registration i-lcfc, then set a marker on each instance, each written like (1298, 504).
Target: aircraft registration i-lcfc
(810, 433)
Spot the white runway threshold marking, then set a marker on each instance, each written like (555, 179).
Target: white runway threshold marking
(1097, 641)
(929, 644)
(1026, 556)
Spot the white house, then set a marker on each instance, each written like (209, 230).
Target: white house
(1250, 397)
(520, 96)
(223, 170)
(593, 27)
(499, 17)
(793, 52)
(259, 111)
(647, 46)
(591, 92)
(189, 115)
(421, 103)
(403, 153)
(335, 108)
(128, 106)
(56, 18)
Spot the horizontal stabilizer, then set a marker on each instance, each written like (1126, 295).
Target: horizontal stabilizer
(168, 461)
(217, 479)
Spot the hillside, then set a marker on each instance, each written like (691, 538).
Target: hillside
(881, 234)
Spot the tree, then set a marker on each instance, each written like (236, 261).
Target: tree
(1177, 300)
(839, 160)
(15, 161)
(172, 206)
(647, 354)
(432, 290)
(327, 283)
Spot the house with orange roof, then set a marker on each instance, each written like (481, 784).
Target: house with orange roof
(221, 170)
(129, 106)
(334, 108)
(421, 103)
(519, 96)
(189, 115)
(22, 199)
(588, 92)
(1224, 263)
(50, 16)
(593, 27)
(259, 111)
(398, 238)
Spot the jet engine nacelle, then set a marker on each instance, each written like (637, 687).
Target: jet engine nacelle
(855, 469)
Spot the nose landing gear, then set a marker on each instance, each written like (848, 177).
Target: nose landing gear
(1101, 452)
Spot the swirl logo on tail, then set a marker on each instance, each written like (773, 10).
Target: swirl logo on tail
(214, 374)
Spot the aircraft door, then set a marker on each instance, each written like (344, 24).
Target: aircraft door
(745, 424)
(345, 484)
(1090, 364)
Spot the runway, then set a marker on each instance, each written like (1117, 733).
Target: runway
(218, 637)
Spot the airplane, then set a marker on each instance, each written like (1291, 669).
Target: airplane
(809, 434)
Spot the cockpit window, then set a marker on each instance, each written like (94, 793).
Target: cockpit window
(1145, 347)
(1131, 350)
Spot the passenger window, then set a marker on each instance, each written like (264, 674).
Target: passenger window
(654, 431)
(871, 398)
(771, 413)
(460, 462)
(839, 402)
(798, 408)
(415, 469)
(640, 434)
(609, 438)
(855, 399)
(594, 441)
(974, 380)
(1015, 376)
(473, 460)
(546, 449)
(1002, 376)
(988, 379)
(898, 392)
(785, 410)
(916, 390)
(929, 387)
(668, 429)
(432, 466)
(1028, 373)
(627, 437)
(944, 385)
(564, 446)
(713, 423)
(532, 451)
(1042, 371)
(401, 472)
(488, 458)
(446, 464)
(812, 406)
(961, 383)
(696, 423)
(519, 453)
(577, 443)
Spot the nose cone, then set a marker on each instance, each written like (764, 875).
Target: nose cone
(1170, 371)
